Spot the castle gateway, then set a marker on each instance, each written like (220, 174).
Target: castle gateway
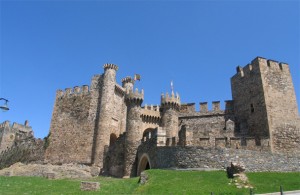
(105, 126)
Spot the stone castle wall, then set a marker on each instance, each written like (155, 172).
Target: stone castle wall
(25, 151)
(249, 101)
(286, 138)
(281, 105)
(17, 144)
(114, 161)
(215, 158)
(202, 128)
(71, 132)
(265, 103)
(75, 122)
(11, 133)
(7, 136)
(118, 124)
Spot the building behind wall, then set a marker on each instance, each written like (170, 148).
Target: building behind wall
(104, 125)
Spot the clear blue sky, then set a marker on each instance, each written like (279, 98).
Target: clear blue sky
(50, 45)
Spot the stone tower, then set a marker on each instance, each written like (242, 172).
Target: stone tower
(106, 112)
(264, 98)
(170, 108)
(133, 130)
(127, 84)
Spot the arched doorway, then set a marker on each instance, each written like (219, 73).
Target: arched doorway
(148, 134)
(144, 164)
(112, 139)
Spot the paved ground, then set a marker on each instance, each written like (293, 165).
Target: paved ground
(297, 192)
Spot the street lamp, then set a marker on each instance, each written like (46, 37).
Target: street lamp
(4, 107)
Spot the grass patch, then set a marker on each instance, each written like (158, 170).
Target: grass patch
(38, 185)
(160, 182)
(188, 182)
(270, 182)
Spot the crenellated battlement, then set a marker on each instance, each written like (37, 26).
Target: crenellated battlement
(5, 124)
(127, 83)
(135, 96)
(151, 111)
(263, 63)
(173, 100)
(110, 66)
(21, 127)
(83, 90)
(127, 79)
(246, 143)
(190, 107)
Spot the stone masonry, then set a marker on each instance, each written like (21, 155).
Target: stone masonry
(17, 144)
(106, 127)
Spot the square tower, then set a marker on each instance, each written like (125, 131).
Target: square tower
(264, 97)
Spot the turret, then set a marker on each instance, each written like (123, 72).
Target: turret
(106, 107)
(170, 106)
(133, 130)
(128, 83)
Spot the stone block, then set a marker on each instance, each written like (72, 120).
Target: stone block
(89, 186)
(8, 173)
(50, 175)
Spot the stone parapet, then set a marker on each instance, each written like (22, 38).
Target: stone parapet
(110, 66)
(127, 79)
(135, 96)
(170, 101)
(5, 124)
(70, 92)
(151, 112)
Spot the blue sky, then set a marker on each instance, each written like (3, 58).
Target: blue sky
(50, 45)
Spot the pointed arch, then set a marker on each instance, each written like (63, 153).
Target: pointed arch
(144, 164)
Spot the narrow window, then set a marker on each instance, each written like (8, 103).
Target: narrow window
(252, 108)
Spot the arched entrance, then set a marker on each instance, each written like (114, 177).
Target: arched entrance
(148, 134)
(144, 164)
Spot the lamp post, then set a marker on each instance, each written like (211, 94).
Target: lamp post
(4, 107)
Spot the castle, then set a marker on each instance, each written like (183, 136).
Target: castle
(106, 127)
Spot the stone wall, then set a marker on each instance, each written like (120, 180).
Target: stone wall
(72, 133)
(11, 133)
(265, 104)
(249, 101)
(216, 158)
(207, 128)
(187, 108)
(7, 136)
(286, 138)
(118, 124)
(114, 161)
(281, 106)
(151, 118)
(25, 151)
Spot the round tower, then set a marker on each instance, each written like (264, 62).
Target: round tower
(128, 83)
(133, 130)
(170, 107)
(102, 129)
